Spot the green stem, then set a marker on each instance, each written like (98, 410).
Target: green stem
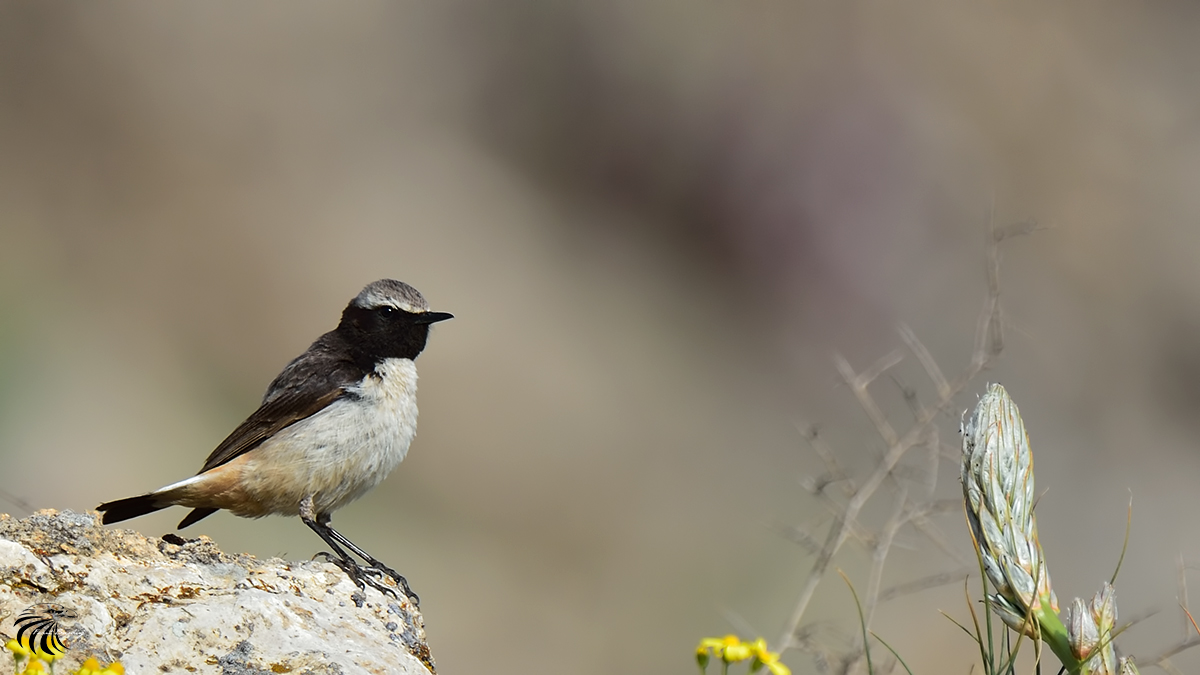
(1054, 634)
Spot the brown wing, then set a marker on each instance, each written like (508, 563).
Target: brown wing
(306, 386)
(266, 422)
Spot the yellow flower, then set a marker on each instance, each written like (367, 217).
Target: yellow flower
(736, 650)
(730, 649)
(714, 644)
(770, 659)
(16, 648)
(35, 667)
(93, 667)
(717, 647)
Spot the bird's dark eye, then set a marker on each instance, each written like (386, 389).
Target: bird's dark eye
(387, 312)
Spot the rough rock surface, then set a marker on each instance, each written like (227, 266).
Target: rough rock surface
(163, 607)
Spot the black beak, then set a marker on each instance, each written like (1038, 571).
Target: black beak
(431, 317)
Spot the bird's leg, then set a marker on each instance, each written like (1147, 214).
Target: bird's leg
(372, 563)
(361, 576)
(338, 557)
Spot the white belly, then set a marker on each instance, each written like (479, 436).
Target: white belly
(341, 452)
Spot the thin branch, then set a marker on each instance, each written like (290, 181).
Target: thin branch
(879, 554)
(842, 525)
(1168, 667)
(819, 484)
(989, 343)
(834, 469)
(949, 452)
(933, 444)
(858, 384)
(913, 474)
(934, 534)
(995, 332)
(856, 530)
(909, 394)
(1181, 579)
(924, 583)
(799, 536)
(739, 623)
(931, 367)
(881, 366)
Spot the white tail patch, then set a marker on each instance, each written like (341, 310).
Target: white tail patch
(183, 483)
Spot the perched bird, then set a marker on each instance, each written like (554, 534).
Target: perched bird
(331, 426)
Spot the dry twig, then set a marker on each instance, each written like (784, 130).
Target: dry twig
(989, 342)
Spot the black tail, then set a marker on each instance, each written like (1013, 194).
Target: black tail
(196, 514)
(124, 509)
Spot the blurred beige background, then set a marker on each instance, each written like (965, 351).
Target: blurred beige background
(655, 222)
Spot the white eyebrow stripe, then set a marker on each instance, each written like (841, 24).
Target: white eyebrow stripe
(402, 306)
(390, 293)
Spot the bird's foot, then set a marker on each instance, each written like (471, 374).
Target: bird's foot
(378, 568)
(372, 575)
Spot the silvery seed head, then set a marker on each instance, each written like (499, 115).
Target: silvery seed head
(1081, 630)
(1103, 609)
(1089, 632)
(997, 477)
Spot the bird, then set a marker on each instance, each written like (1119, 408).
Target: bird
(333, 424)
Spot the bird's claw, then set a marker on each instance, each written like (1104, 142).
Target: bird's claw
(372, 576)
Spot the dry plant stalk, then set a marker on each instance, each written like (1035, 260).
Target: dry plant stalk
(988, 344)
(1191, 634)
(997, 474)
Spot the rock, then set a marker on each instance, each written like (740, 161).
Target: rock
(163, 607)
